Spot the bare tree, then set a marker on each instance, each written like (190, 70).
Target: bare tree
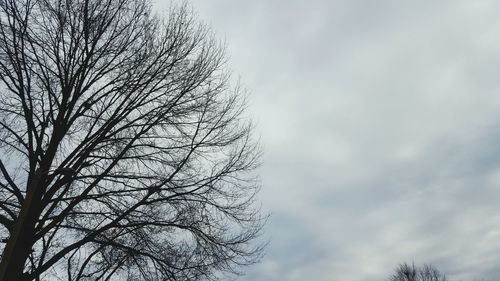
(124, 154)
(406, 272)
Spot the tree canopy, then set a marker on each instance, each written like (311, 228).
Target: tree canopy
(124, 152)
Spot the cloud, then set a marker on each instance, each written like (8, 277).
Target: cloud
(380, 121)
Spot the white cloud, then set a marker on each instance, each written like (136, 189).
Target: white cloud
(381, 122)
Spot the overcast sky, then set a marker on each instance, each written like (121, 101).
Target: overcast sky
(380, 122)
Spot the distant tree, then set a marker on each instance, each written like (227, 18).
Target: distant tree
(406, 272)
(124, 154)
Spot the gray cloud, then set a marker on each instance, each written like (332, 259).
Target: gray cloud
(381, 123)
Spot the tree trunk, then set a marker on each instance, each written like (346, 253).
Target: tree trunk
(20, 242)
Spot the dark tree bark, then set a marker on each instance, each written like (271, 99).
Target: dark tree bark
(124, 154)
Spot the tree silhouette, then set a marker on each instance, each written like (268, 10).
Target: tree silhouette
(406, 272)
(124, 154)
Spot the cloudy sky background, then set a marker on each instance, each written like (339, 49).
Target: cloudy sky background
(380, 122)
